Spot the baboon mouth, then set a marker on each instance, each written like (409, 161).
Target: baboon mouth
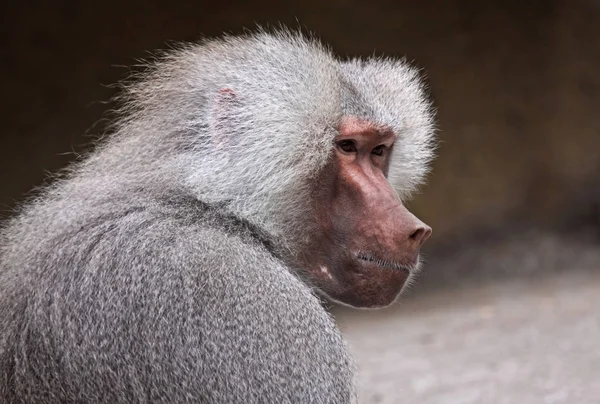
(373, 260)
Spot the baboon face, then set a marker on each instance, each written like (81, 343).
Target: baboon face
(369, 242)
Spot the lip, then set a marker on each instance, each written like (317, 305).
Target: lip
(387, 264)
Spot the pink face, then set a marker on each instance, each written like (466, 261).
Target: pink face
(369, 242)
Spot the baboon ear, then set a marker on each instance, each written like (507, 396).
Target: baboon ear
(222, 117)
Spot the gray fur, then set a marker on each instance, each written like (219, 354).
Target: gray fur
(155, 270)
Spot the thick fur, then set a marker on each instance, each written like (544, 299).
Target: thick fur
(155, 270)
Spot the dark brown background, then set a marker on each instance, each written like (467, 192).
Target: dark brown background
(516, 84)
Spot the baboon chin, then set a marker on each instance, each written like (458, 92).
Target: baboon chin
(182, 260)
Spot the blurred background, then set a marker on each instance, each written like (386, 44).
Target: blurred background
(508, 308)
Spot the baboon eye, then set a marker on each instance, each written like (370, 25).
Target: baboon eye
(348, 146)
(378, 151)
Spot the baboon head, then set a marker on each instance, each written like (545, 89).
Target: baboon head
(318, 152)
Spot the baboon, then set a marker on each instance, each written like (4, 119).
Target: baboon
(185, 259)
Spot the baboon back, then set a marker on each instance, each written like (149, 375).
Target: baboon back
(165, 301)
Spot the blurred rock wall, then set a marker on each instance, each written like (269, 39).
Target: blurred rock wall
(516, 84)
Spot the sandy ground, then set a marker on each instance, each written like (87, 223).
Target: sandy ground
(511, 341)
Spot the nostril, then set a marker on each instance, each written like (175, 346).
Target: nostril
(421, 234)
